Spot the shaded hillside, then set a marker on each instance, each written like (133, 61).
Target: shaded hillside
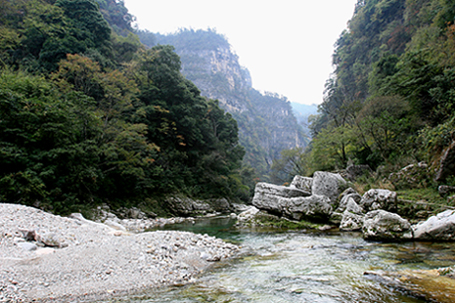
(391, 99)
(88, 115)
(267, 124)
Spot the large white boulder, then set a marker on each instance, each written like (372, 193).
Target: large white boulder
(351, 221)
(248, 214)
(437, 228)
(315, 208)
(383, 225)
(291, 202)
(350, 201)
(268, 196)
(329, 185)
(375, 199)
(266, 189)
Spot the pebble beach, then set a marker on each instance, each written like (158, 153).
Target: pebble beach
(48, 258)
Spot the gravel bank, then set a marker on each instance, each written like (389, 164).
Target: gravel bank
(49, 258)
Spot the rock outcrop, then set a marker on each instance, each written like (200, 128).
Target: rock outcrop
(437, 228)
(447, 163)
(351, 221)
(296, 201)
(379, 199)
(348, 199)
(383, 225)
(291, 202)
(329, 185)
(267, 190)
(303, 183)
(314, 207)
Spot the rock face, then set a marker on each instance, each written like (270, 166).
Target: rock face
(440, 227)
(379, 199)
(447, 163)
(328, 184)
(348, 201)
(351, 221)
(266, 189)
(291, 202)
(303, 183)
(315, 207)
(383, 225)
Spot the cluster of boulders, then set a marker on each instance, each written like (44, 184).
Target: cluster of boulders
(327, 198)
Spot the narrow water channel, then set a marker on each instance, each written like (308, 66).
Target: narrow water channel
(302, 267)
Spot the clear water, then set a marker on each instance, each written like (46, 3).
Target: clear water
(301, 267)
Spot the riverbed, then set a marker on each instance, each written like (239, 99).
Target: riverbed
(301, 266)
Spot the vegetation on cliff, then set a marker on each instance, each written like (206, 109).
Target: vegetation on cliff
(391, 99)
(89, 115)
(267, 124)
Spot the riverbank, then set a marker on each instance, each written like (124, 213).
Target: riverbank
(47, 258)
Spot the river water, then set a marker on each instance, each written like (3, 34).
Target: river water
(302, 267)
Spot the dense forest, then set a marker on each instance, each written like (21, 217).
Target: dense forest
(89, 115)
(391, 99)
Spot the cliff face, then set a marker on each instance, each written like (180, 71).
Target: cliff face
(218, 74)
(266, 122)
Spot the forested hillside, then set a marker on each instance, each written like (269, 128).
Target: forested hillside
(89, 115)
(266, 121)
(391, 100)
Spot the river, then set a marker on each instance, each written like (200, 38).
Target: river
(301, 266)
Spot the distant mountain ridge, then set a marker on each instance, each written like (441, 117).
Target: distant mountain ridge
(267, 124)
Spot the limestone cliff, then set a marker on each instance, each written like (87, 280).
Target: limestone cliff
(266, 122)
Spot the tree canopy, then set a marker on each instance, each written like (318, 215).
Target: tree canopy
(88, 115)
(390, 101)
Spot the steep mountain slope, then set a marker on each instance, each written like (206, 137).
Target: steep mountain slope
(390, 101)
(266, 122)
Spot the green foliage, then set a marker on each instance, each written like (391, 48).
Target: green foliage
(292, 162)
(111, 123)
(391, 100)
(116, 14)
(195, 39)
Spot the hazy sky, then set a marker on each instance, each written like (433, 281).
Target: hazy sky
(286, 45)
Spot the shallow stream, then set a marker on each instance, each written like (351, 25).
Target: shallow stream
(302, 267)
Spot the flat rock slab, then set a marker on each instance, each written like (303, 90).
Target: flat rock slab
(437, 228)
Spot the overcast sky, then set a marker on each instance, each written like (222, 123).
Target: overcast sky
(286, 45)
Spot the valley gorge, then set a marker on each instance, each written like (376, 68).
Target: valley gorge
(266, 122)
